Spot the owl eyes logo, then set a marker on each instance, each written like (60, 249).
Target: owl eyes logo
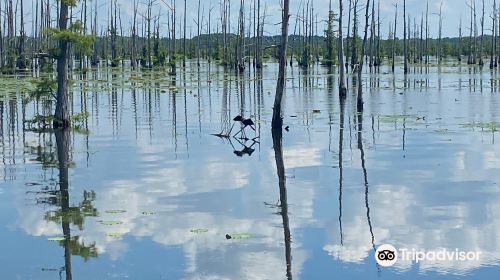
(386, 255)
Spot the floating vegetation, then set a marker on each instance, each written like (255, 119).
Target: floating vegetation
(395, 118)
(115, 234)
(110, 223)
(199, 230)
(442, 130)
(489, 126)
(115, 211)
(56, 238)
(242, 235)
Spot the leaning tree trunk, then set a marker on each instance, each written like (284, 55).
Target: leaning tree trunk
(277, 121)
(62, 117)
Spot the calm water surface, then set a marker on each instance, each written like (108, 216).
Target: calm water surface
(150, 193)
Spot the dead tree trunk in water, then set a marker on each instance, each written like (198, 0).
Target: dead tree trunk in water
(241, 45)
(354, 56)
(62, 117)
(342, 82)
(493, 35)
(440, 47)
(363, 49)
(394, 38)
(277, 121)
(184, 39)
(404, 40)
(481, 62)
(459, 51)
(348, 37)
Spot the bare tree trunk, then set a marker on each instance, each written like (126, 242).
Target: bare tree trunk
(440, 47)
(481, 62)
(459, 52)
(493, 35)
(259, 38)
(404, 39)
(199, 34)
(133, 57)
(184, 39)
(394, 37)
(360, 69)
(342, 80)
(241, 47)
(348, 39)
(277, 121)
(62, 116)
(354, 56)
(427, 33)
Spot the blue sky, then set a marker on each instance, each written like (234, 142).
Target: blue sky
(452, 11)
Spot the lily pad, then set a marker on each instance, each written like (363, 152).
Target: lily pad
(115, 234)
(110, 223)
(56, 238)
(115, 211)
(199, 230)
(241, 235)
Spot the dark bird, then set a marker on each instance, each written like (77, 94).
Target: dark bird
(228, 236)
(244, 122)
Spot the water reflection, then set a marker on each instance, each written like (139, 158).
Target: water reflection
(150, 173)
(277, 135)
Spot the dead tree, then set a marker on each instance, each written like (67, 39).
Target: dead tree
(493, 35)
(440, 47)
(277, 121)
(241, 38)
(481, 62)
(62, 116)
(394, 37)
(404, 40)
(360, 67)
(342, 79)
(354, 56)
(459, 51)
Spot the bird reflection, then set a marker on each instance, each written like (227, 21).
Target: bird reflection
(247, 150)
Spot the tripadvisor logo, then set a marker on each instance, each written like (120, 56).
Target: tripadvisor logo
(387, 255)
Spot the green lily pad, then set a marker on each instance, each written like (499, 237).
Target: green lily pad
(115, 234)
(110, 223)
(199, 230)
(241, 235)
(56, 238)
(115, 211)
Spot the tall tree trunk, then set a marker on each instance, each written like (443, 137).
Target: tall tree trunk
(342, 80)
(404, 40)
(493, 36)
(62, 116)
(277, 121)
(354, 55)
(394, 38)
(481, 62)
(360, 69)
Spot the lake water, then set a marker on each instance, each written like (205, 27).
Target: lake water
(143, 190)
